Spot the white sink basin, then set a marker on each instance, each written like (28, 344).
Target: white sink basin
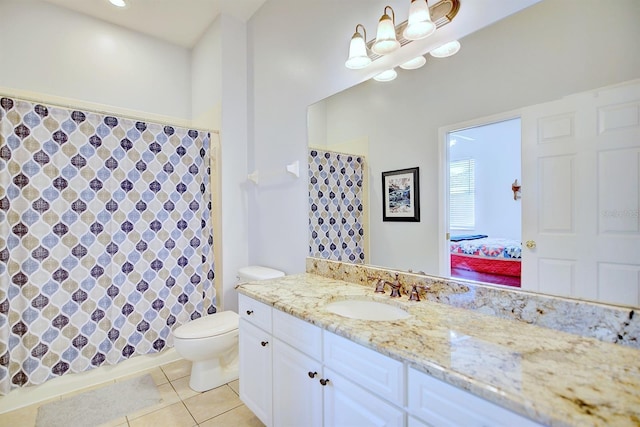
(366, 310)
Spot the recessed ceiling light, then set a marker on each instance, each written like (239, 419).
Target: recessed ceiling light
(118, 3)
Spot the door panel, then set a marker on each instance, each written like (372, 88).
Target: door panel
(580, 198)
(556, 201)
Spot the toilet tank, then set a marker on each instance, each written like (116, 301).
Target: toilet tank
(257, 272)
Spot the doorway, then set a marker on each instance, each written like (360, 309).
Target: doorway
(484, 215)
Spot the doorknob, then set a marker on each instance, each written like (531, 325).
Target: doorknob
(531, 244)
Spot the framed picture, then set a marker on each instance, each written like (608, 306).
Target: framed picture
(401, 192)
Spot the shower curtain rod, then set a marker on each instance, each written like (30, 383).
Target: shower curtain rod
(329, 150)
(93, 108)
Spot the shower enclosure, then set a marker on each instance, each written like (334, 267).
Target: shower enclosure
(105, 238)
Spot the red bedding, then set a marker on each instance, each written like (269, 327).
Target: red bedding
(488, 255)
(505, 267)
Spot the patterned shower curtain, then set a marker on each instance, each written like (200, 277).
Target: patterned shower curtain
(105, 238)
(335, 201)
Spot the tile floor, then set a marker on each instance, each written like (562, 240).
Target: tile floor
(180, 406)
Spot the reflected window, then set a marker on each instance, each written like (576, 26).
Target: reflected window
(462, 194)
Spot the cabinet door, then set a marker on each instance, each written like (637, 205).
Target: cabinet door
(255, 370)
(347, 405)
(297, 393)
(369, 369)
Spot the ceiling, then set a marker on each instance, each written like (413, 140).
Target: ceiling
(151, 16)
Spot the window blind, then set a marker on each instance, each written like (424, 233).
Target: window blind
(462, 194)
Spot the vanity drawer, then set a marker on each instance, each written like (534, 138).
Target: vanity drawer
(369, 369)
(440, 404)
(255, 312)
(299, 334)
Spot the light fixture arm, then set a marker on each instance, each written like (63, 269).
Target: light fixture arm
(393, 14)
(364, 30)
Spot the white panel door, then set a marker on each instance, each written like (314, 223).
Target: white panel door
(580, 197)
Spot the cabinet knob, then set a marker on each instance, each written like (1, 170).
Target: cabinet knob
(324, 381)
(249, 312)
(264, 343)
(531, 244)
(312, 374)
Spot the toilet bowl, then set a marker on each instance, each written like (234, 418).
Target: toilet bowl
(211, 342)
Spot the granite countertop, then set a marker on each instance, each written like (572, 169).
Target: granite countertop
(552, 377)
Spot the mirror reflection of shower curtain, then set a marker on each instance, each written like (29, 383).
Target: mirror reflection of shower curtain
(336, 206)
(105, 238)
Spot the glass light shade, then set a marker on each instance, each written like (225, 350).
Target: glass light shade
(446, 49)
(419, 24)
(386, 41)
(386, 76)
(118, 3)
(414, 63)
(358, 57)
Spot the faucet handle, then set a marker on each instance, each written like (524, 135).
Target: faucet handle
(414, 295)
(380, 286)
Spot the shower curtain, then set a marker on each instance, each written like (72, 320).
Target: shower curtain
(335, 206)
(105, 238)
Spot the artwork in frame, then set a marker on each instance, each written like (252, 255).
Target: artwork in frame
(401, 192)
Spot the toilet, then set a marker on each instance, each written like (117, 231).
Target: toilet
(211, 342)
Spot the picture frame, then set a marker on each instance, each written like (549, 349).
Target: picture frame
(401, 195)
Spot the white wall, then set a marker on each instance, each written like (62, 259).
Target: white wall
(47, 50)
(206, 78)
(233, 135)
(496, 149)
(554, 48)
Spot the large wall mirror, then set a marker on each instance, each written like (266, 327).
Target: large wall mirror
(544, 53)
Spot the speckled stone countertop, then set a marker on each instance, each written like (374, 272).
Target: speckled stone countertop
(552, 377)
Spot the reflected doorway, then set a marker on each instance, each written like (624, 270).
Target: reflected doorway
(483, 210)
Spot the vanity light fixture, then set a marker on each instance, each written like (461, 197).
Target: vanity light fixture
(446, 50)
(423, 21)
(419, 24)
(118, 3)
(358, 57)
(414, 63)
(386, 76)
(386, 41)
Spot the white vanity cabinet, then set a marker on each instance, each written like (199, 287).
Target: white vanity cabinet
(255, 358)
(316, 388)
(293, 373)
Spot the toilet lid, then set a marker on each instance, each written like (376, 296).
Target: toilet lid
(208, 326)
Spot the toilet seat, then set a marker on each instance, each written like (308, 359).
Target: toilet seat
(208, 326)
